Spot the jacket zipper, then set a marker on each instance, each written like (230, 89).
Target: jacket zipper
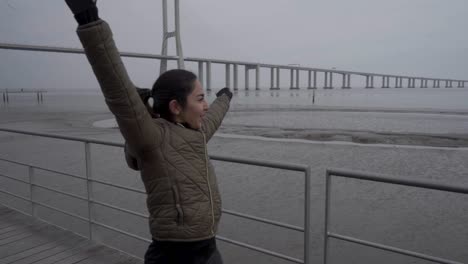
(209, 185)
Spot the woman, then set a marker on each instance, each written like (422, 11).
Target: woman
(182, 193)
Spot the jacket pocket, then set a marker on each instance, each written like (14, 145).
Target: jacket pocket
(178, 207)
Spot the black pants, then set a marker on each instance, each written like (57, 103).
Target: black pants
(199, 252)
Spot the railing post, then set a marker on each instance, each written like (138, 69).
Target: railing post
(31, 175)
(89, 186)
(307, 229)
(327, 216)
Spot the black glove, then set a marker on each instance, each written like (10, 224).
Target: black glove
(225, 91)
(85, 11)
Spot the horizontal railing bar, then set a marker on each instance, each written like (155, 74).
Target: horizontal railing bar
(263, 220)
(118, 186)
(61, 192)
(61, 211)
(392, 249)
(15, 179)
(120, 209)
(80, 139)
(398, 181)
(15, 195)
(263, 163)
(261, 250)
(44, 169)
(218, 61)
(291, 227)
(121, 231)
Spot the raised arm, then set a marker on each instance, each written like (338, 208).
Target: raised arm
(216, 112)
(135, 123)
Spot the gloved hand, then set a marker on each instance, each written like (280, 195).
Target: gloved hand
(85, 11)
(225, 91)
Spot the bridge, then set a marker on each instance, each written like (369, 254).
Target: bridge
(232, 72)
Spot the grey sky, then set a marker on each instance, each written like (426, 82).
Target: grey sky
(410, 37)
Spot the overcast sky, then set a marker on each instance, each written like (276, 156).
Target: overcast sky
(409, 37)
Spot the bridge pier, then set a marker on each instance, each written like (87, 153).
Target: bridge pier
(369, 81)
(328, 83)
(346, 83)
(200, 73)
(297, 78)
(314, 86)
(385, 81)
(257, 77)
(294, 85)
(278, 78)
(247, 77)
(236, 77)
(272, 78)
(398, 82)
(208, 75)
(228, 75)
(423, 83)
(448, 84)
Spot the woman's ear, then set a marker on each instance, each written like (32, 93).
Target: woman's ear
(175, 107)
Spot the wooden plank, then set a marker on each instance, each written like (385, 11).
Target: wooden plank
(59, 257)
(37, 238)
(59, 247)
(44, 250)
(5, 227)
(18, 229)
(107, 255)
(26, 232)
(25, 240)
(84, 254)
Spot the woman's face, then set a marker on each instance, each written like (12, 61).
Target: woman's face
(195, 108)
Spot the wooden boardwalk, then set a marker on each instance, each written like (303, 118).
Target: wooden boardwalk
(24, 239)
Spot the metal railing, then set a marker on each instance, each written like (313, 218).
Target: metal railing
(275, 69)
(90, 201)
(383, 179)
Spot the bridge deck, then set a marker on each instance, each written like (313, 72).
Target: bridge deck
(24, 239)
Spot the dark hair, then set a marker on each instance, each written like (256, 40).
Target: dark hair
(172, 85)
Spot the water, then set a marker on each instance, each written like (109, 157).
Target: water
(394, 98)
(426, 221)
